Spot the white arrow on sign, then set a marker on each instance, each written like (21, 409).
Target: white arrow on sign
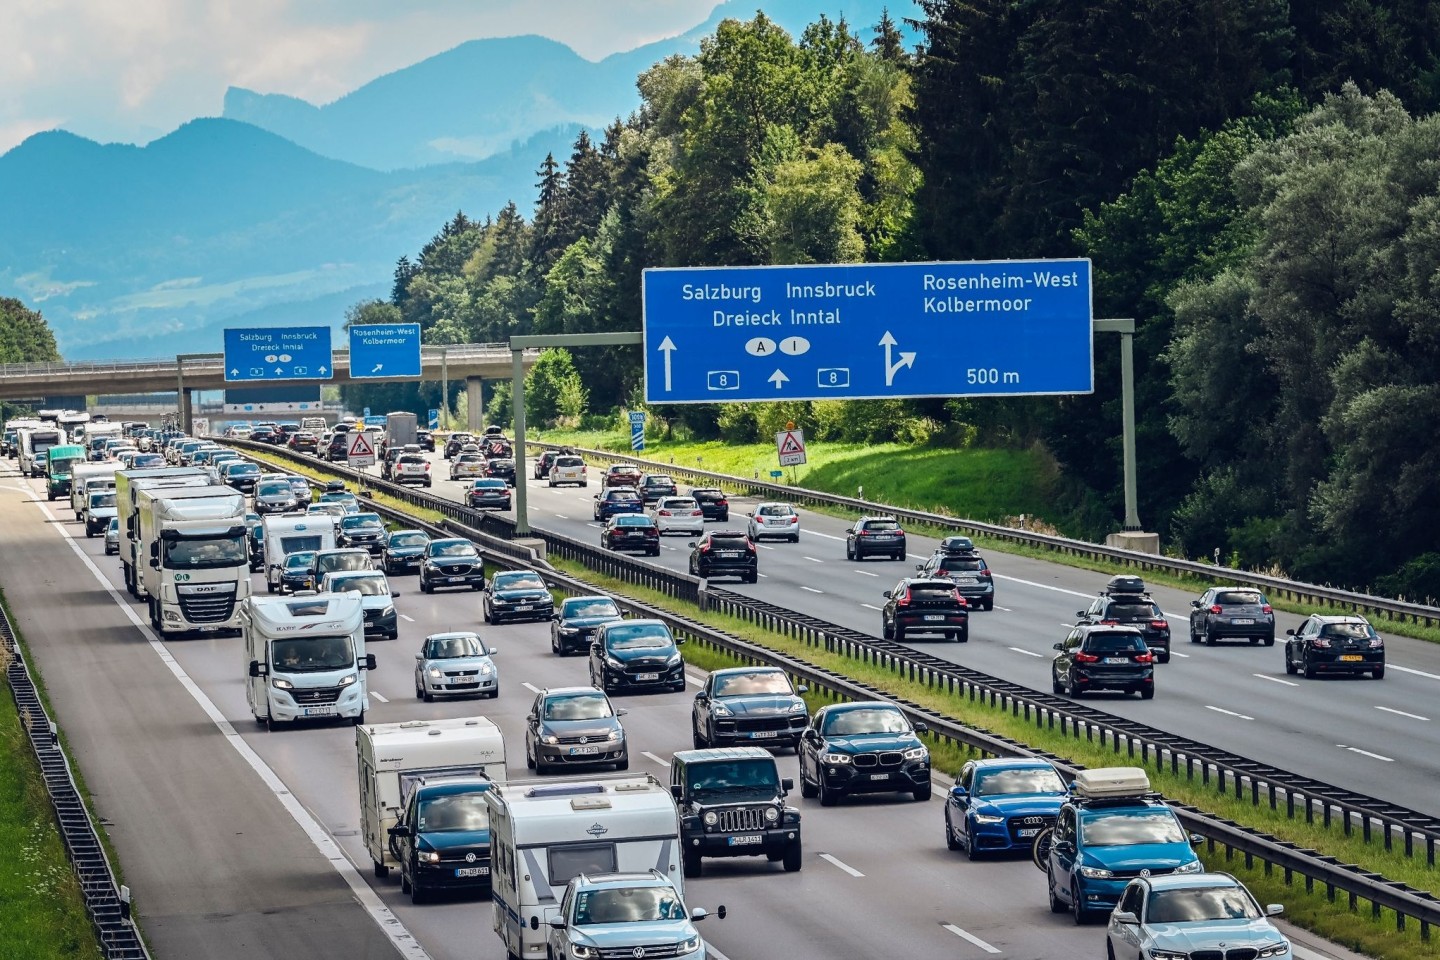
(376, 370)
(778, 378)
(322, 371)
(278, 371)
(667, 347)
(234, 372)
(906, 359)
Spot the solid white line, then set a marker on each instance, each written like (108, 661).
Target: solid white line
(1228, 713)
(1418, 673)
(379, 696)
(969, 936)
(1402, 713)
(843, 866)
(1176, 653)
(867, 573)
(407, 619)
(1028, 653)
(1366, 753)
(388, 923)
(868, 606)
(1288, 683)
(811, 589)
(711, 951)
(647, 753)
(531, 687)
(813, 560)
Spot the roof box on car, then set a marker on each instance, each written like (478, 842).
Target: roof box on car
(1110, 782)
(1125, 583)
(957, 545)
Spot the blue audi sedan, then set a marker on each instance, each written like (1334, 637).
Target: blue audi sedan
(1001, 805)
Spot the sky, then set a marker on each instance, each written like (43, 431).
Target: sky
(133, 70)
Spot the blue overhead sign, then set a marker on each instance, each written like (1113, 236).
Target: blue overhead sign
(384, 350)
(862, 331)
(277, 353)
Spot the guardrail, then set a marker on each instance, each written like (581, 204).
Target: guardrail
(1317, 594)
(1302, 796)
(114, 930)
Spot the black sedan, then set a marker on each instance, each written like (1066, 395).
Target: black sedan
(1335, 644)
(516, 595)
(748, 705)
(403, 551)
(862, 747)
(575, 623)
(632, 531)
(1238, 612)
(488, 494)
(725, 553)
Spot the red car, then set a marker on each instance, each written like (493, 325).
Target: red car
(622, 475)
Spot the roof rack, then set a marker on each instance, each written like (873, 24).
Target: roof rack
(1125, 584)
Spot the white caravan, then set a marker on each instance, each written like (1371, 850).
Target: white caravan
(127, 484)
(305, 657)
(544, 832)
(392, 758)
(102, 474)
(194, 559)
(288, 533)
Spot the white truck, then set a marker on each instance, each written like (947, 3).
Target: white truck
(34, 441)
(544, 832)
(194, 557)
(305, 658)
(127, 484)
(82, 474)
(392, 758)
(288, 533)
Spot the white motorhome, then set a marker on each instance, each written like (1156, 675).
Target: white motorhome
(544, 832)
(34, 441)
(95, 436)
(392, 758)
(194, 557)
(12, 446)
(82, 474)
(127, 484)
(288, 533)
(305, 657)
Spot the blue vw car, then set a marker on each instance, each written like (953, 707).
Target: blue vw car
(1001, 805)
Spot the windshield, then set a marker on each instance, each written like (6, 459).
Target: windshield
(457, 549)
(616, 496)
(1113, 642)
(239, 469)
(329, 509)
(408, 540)
(995, 783)
(873, 525)
(1199, 904)
(274, 488)
(589, 608)
(1119, 829)
(365, 586)
(744, 684)
(582, 706)
(98, 500)
(312, 654)
(518, 581)
(147, 460)
(205, 553)
(774, 510)
(654, 637)
(634, 520)
(358, 520)
(330, 562)
(1133, 611)
(447, 648)
(627, 905)
(454, 813)
(299, 561)
(865, 720)
(738, 776)
(64, 464)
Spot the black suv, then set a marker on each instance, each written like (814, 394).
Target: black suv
(1101, 657)
(387, 461)
(338, 449)
(725, 553)
(925, 605)
(862, 747)
(653, 486)
(713, 503)
(1337, 644)
(636, 654)
(451, 563)
(575, 623)
(362, 530)
(1123, 604)
(875, 536)
(957, 559)
(1240, 612)
(748, 705)
(732, 804)
(403, 551)
(426, 440)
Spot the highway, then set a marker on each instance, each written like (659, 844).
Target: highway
(1377, 737)
(243, 843)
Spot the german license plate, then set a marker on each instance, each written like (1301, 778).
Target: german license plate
(744, 839)
(1027, 832)
(1115, 660)
(525, 607)
(1243, 621)
(879, 776)
(967, 581)
(634, 533)
(727, 554)
(929, 617)
(582, 751)
(327, 711)
(762, 734)
(454, 579)
(1351, 657)
(656, 676)
(472, 871)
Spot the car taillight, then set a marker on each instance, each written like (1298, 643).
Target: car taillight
(750, 546)
(1160, 624)
(427, 465)
(1267, 609)
(905, 600)
(1319, 641)
(722, 503)
(864, 533)
(1145, 657)
(794, 519)
(959, 599)
(662, 513)
(1215, 608)
(705, 549)
(696, 513)
(1086, 658)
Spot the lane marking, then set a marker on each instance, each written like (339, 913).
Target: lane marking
(765, 575)
(1402, 713)
(1045, 586)
(1176, 653)
(1067, 626)
(764, 546)
(401, 938)
(813, 560)
(407, 619)
(1288, 683)
(531, 687)
(842, 865)
(379, 696)
(811, 589)
(711, 951)
(647, 753)
(1006, 609)
(592, 523)
(698, 681)
(970, 937)
(1028, 653)
(869, 606)
(1366, 753)
(1418, 673)
(1228, 713)
(867, 573)
(562, 516)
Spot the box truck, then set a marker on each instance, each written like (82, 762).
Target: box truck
(127, 484)
(194, 564)
(59, 461)
(401, 429)
(392, 758)
(305, 658)
(95, 436)
(544, 832)
(287, 533)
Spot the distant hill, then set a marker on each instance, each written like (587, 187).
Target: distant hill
(476, 99)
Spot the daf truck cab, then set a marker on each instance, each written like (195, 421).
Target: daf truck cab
(128, 483)
(82, 476)
(289, 533)
(59, 461)
(194, 568)
(305, 658)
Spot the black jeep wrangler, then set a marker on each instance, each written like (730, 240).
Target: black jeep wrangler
(732, 804)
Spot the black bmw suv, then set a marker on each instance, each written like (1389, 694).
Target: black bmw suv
(863, 747)
(725, 553)
(925, 605)
(1123, 604)
(1101, 657)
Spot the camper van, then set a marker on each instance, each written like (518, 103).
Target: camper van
(192, 557)
(392, 758)
(544, 832)
(305, 658)
(284, 534)
(34, 443)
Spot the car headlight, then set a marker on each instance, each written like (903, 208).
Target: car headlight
(917, 753)
(771, 814)
(720, 709)
(1095, 873)
(614, 664)
(499, 601)
(581, 952)
(988, 818)
(347, 680)
(711, 818)
(675, 660)
(1194, 866)
(1168, 955)
(550, 738)
(569, 631)
(435, 672)
(389, 611)
(835, 758)
(428, 856)
(486, 669)
(1272, 950)
(689, 946)
(282, 684)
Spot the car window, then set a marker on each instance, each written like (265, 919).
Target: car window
(1198, 904)
(445, 648)
(358, 520)
(589, 608)
(1101, 828)
(582, 706)
(1229, 598)
(453, 549)
(1135, 611)
(453, 813)
(925, 591)
(1131, 899)
(638, 637)
(627, 905)
(775, 510)
(873, 525)
(1352, 631)
(748, 684)
(512, 581)
(408, 540)
(365, 586)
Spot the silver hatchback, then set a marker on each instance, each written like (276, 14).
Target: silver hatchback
(455, 664)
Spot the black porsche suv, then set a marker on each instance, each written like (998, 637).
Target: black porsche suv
(725, 553)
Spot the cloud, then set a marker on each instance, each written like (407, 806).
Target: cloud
(131, 70)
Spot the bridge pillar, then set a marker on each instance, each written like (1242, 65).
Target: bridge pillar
(187, 411)
(475, 403)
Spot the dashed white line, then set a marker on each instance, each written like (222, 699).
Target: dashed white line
(813, 560)
(562, 516)
(592, 523)
(1402, 713)
(1288, 683)
(698, 681)
(1366, 753)
(1028, 653)
(765, 575)
(810, 589)
(1006, 609)
(381, 697)
(867, 573)
(970, 937)
(868, 606)
(711, 951)
(841, 864)
(647, 753)
(1045, 586)
(1177, 653)
(407, 619)
(531, 687)
(1228, 713)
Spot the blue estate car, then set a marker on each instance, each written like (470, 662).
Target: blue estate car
(1001, 805)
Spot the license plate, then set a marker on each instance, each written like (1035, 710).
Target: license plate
(454, 579)
(1243, 621)
(656, 676)
(879, 776)
(1027, 832)
(1115, 660)
(746, 838)
(634, 533)
(967, 581)
(934, 616)
(582, 751)
(525, 607)
(472, 871)
(462, 679)
(727, 555)
(319, 711)
(1352, 658)
(762, 734)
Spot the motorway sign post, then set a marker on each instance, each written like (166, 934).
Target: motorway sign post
(790, 445)
(384, 350)
(361, 452)
(277, 353)
(433, 419)
(866, 331)
(637, 430)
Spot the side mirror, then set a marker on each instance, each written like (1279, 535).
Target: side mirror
(720, 911)
(1195, 604)
(886, 594)
(258, 669)
(556, 922)
(1124, 916)
(399, 830)
(679, 640)
(1290, 633)
(802, 689)
(919, 566)
(369, 663)
(394, 593)
(1274, 909)
(787, 784)
(492, 651)
(690, 544)
(419, 656)
(1196, 839)
(535, 922)
(677, 791)
(698, 914)
(155, 563)
(1058, 646)
(555, 616)
(621, 712)
(750, 514)
(921, 726)
(597, 648)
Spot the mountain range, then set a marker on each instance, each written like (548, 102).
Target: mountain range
(282, 211)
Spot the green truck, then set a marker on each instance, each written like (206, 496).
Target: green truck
(59, 461)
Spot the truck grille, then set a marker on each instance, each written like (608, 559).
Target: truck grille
(314, 695)
(207, 607)
(743, 818)
(640, 953)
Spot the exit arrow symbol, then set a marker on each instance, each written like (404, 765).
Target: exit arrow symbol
(667, 347)
(376, 370)
(778, 377)
(322, 369)
(279, 370)
(907, 358)
(234, 372)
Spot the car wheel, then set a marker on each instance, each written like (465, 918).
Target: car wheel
(624, 763)
(1378, 673)
(1163, 657)
(1290, 667)
(1270, 640)
(419, 693)
(425, 587)
(807, 789)
(1194, 637)
(1056, 904)
(971, 852)
(922, 794)
(1055, 684)
(1081, 915)
(1072, 689)
(417, 893)
(899, 633)
(753, 578)
(381, 870)
(828, 797)
(964, 635)
(427, 696)
(695, 738)
(1310, 672)
(1147, 693)
(1109, 950)
(952, 842)
(693, 864)
(1209, 638)
(849, 553)
(404, 883)
(1254, 640)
